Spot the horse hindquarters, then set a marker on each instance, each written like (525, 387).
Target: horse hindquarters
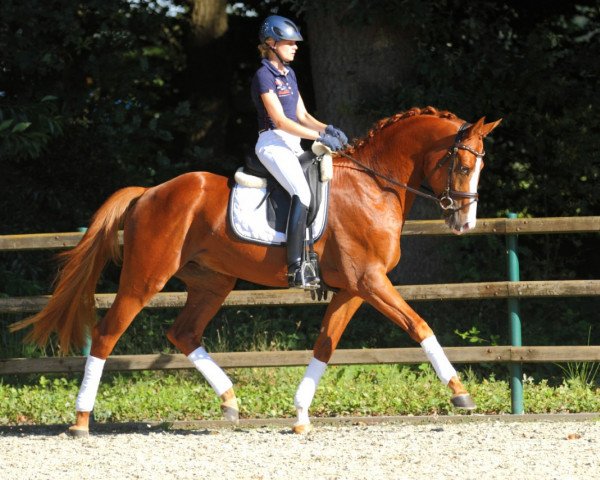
(150, 258)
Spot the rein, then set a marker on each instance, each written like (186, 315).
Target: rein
(446, 199)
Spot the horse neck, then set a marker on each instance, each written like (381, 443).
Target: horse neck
(396, 152)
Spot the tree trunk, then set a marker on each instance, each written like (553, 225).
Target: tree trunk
(209, 20)
(356, 65)
(352, 65)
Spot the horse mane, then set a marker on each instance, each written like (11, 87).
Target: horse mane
(386, 122)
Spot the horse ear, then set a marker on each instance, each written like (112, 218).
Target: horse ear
(485, 130)
(482, 128)
(477, 126)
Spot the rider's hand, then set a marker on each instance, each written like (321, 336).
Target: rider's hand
(336, 132)
(330, 141)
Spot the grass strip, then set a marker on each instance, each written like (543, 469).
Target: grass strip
(368, 390)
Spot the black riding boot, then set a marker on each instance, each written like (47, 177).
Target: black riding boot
(299, 275)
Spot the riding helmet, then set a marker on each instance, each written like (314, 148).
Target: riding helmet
(278, 28)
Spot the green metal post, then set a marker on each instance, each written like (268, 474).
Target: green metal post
(87, 346)
(514, 319)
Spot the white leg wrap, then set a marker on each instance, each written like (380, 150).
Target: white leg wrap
(308, 385)
(213, 374)
(445, 371)
(89, 385)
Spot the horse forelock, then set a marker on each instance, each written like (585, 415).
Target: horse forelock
(386, 122)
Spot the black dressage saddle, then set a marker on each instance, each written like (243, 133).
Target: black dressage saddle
(278, 199)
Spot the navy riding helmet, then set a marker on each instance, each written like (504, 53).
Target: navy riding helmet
(278, 28)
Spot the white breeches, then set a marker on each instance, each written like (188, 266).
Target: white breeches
(278, 151)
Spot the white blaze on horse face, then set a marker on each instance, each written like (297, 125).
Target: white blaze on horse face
(467, 217)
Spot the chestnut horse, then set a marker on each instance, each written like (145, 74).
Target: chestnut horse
(180, 228)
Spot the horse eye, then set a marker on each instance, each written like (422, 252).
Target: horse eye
(464, 170)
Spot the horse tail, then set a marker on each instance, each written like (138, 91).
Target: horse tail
(71, 309)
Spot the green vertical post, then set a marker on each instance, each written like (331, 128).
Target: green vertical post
(87, 346)
(514, 324)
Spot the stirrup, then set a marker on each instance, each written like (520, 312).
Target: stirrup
(303, 275)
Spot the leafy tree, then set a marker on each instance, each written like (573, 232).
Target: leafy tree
(89, 102)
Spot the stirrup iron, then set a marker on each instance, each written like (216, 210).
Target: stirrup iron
(304, 275)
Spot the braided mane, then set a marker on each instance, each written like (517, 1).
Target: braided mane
(385, 122)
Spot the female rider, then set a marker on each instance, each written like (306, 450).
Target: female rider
(282, 122)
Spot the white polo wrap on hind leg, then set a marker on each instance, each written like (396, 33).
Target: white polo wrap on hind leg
(308, 386)
(213, 374)
(89, 385)
(442, 366)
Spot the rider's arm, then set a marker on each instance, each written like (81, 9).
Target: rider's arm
(307, 119)
(275, 112)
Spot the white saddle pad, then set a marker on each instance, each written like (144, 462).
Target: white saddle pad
(248, 215)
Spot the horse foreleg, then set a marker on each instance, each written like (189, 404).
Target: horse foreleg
(207, 291)
(377, 290)
(339, 312)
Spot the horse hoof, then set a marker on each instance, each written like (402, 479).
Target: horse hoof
(463, 401)
(78, 432)
(231, 414)
(230, 411)
(302, 429)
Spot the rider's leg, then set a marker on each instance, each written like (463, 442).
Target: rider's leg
(296, 232)
(279, 156)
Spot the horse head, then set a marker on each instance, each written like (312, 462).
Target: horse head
(454, 174)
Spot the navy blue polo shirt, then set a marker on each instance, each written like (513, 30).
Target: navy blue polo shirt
(268, 78)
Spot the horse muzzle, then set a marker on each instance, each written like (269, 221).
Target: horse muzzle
(461, 220)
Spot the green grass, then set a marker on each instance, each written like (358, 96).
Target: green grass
(269, 392)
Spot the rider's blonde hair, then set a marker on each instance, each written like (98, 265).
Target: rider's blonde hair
(263, 50)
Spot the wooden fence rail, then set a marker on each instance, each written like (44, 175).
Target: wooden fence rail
(403, 356)
(463, 291)
(485, 226)
(253, 298)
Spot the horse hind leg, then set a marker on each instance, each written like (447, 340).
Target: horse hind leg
(207, 291)
(104, 337)
(140, 280)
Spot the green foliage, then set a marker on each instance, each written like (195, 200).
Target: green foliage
(26, 130)
(89, 99)
(473, 336)
(268, 392)
(583, 373)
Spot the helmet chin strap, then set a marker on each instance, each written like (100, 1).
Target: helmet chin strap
(277, 54)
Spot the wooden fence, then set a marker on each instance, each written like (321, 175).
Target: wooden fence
(464, 291)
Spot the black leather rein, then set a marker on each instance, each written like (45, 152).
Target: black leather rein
(446, 200)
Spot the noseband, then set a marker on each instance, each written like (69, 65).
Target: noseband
(446, 200)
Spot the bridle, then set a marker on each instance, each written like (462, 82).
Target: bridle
(446, 200)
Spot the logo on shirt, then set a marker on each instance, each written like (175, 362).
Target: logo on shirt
(283, 88)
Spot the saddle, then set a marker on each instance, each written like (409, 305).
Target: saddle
(254, 174)
(259, 206)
